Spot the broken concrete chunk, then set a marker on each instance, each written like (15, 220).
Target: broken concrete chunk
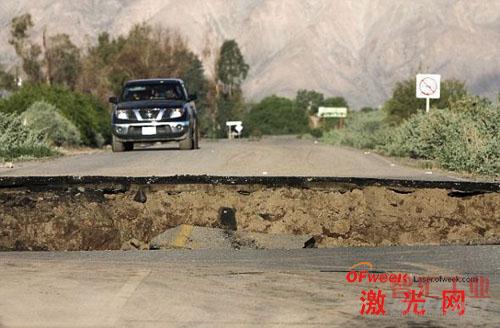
(191, 237)
(194, 237)
(133, 244)
(140, 196)
(310, 243)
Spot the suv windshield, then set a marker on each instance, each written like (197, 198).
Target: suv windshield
(160, 91)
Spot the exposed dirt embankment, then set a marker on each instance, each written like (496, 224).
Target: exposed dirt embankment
(91, 217)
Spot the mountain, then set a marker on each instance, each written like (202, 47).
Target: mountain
(354, 48)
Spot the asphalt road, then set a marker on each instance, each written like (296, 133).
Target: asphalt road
(277, 156)
(223, 288)
(228, 288)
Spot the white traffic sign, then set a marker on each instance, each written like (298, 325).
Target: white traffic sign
(233, 123)
(428, 87)
(332, 112)
(237, 126)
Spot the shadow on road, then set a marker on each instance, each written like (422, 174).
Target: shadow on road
(155, 147)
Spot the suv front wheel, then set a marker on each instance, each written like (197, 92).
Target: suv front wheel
(191, 141)
(118, 146)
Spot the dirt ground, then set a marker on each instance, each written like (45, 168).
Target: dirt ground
(107, 217)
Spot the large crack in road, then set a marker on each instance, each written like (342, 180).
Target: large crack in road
(106, 213)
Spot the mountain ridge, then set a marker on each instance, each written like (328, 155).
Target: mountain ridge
(357, 49)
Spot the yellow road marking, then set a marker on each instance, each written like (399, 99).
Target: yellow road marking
(183, 236)
(368, 264)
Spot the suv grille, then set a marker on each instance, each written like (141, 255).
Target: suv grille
(149, 113)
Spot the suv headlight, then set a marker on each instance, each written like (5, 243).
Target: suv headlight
(122, 114)
(176, 112)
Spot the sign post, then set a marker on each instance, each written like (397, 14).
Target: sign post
(428, 87)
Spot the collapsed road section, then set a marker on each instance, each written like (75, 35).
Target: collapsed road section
(109, 213)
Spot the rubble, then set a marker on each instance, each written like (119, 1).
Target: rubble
(51, 218)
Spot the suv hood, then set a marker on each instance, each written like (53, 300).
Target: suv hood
(151, 104)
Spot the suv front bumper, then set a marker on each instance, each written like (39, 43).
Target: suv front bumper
(165, 131)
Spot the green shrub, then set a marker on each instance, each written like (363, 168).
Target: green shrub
(403, 103)
(329, 123)
(45, 119)
(18, 141)
(464, 137)
(362, 130)
(316, 133)
(84, 111)
(276, 115)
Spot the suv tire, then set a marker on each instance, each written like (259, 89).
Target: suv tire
(118, 146)
(196, 140)
(187, 144)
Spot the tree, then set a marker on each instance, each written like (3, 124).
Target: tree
(97, 64)
(231, 67)
(335, 102)
(231, 70)
(106, 47)
(19, 27)
(25, 49)
(64, 59)
(19, 33)
(32, 64)
(145, 52)
(193, 73)
(148, 53)
(367, 109)
(309, 101)
(7, 80)
(404, 102)
(276, 115)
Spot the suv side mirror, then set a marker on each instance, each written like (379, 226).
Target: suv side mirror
(192, 97)
(113, 100)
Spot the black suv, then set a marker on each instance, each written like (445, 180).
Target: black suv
(154, 110)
